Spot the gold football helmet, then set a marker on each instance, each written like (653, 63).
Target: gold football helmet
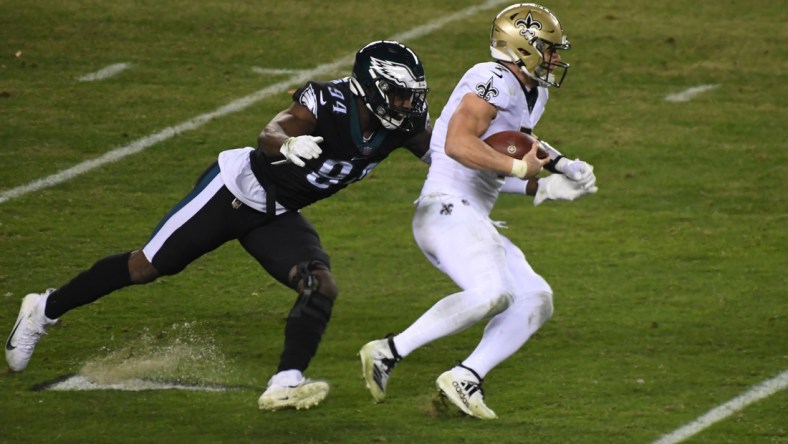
(527, 35)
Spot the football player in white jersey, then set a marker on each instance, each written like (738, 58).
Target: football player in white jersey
(452, 224)
(332, 134)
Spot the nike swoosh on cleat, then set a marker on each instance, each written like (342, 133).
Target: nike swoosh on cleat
(8, 345)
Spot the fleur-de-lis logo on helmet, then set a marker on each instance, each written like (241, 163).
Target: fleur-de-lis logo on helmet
(522, 34)
(526, 24)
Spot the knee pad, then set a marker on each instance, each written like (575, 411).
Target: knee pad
(314, 276)
(309, 317)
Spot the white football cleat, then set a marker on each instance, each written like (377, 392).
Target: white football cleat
(463, 387)
(291, 390)
(30, 326)
(378, 359)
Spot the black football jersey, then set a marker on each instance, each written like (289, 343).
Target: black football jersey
(346, 158)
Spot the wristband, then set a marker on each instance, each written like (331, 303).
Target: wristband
(519, 168)
(552, 166)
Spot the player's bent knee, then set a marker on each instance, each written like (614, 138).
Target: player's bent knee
(543, 307)
(315, 276)
(492, 300)
(328, 285)
(547, 305)
(141, 271)
(502, 301)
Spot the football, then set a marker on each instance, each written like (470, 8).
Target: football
(514, 144)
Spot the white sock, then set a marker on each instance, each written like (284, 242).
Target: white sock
(286, 378)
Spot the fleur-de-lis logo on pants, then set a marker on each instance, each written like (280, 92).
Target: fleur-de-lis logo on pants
(486, 91)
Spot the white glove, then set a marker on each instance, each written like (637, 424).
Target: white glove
(295, 149)
(577, 170)
(558, 187)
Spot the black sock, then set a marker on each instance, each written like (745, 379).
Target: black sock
(104, 277)
(305, 326)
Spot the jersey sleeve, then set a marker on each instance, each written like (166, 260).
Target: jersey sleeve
(307, 96)
(489, 82)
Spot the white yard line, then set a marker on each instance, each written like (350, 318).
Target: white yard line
(689, 93)
(105, 73)
(274, 71)
(232, 107)
(756, 393)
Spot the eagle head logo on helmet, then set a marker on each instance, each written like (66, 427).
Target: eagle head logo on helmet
(389, 77)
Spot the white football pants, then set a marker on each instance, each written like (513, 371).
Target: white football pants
(495, 278)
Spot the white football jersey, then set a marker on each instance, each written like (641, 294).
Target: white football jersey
(496, 84)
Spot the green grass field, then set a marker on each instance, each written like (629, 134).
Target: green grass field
(670, 283)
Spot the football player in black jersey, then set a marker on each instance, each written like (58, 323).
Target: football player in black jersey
(333, 134)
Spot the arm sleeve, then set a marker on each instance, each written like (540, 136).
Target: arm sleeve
(514, 185)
